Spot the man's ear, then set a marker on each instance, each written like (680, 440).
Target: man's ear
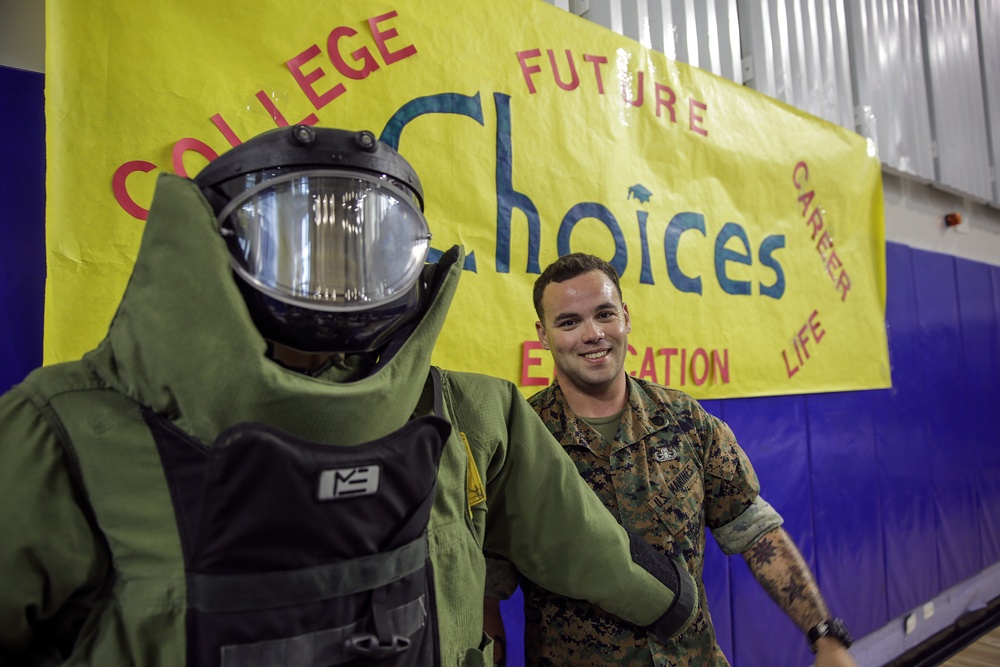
(542, 338)
(628, 318)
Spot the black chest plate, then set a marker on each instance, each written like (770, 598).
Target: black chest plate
(302, 553)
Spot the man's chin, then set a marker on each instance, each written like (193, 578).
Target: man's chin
(599, 378)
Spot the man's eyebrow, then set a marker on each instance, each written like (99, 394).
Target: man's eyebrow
(598, 308)
(563, 316)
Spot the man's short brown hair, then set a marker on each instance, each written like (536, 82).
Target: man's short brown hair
(568, 267)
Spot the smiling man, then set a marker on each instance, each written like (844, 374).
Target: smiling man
(585, 326)
(666, 469)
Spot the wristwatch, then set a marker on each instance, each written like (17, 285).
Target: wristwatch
(831, 627)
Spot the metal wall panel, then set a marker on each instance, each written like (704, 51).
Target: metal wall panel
(796, 51)
(890, 90)
(702, 33)
(957, 106)
(635, 21)
(607, 13)
(989, 46)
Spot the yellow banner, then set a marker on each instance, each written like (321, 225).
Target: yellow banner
(749, 235)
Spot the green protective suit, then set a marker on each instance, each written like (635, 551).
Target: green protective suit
(90, 561)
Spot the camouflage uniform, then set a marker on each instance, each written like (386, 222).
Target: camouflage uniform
(672, 469)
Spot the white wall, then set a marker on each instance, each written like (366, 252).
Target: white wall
(914, 215)
(914, 211)
(22, 34)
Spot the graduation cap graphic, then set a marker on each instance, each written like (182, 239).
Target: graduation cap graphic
(639, 192)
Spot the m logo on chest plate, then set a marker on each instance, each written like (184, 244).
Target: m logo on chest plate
(344, 483)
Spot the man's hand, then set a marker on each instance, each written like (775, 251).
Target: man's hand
(831, 653)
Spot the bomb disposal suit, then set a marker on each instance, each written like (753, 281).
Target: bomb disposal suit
(267, 470)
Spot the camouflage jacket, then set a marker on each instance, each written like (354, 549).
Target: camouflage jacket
(672, 470)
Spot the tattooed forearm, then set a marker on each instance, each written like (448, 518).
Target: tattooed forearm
(761, 554)
(779, 567)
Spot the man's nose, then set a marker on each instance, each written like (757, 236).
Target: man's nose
(593, 332)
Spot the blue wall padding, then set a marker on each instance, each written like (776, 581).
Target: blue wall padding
(949, 432)
(892, 495)
(845, 507)
(990, 469)
(719, 594)
(982, 366)
(909, 523)
(774, 433)
(716, 574)
(22, 223)
(512, 612)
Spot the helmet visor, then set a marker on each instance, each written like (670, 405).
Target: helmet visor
(327, 240)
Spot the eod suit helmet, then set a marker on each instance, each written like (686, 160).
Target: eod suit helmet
(326, 235)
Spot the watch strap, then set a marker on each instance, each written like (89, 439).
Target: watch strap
(831, 627)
